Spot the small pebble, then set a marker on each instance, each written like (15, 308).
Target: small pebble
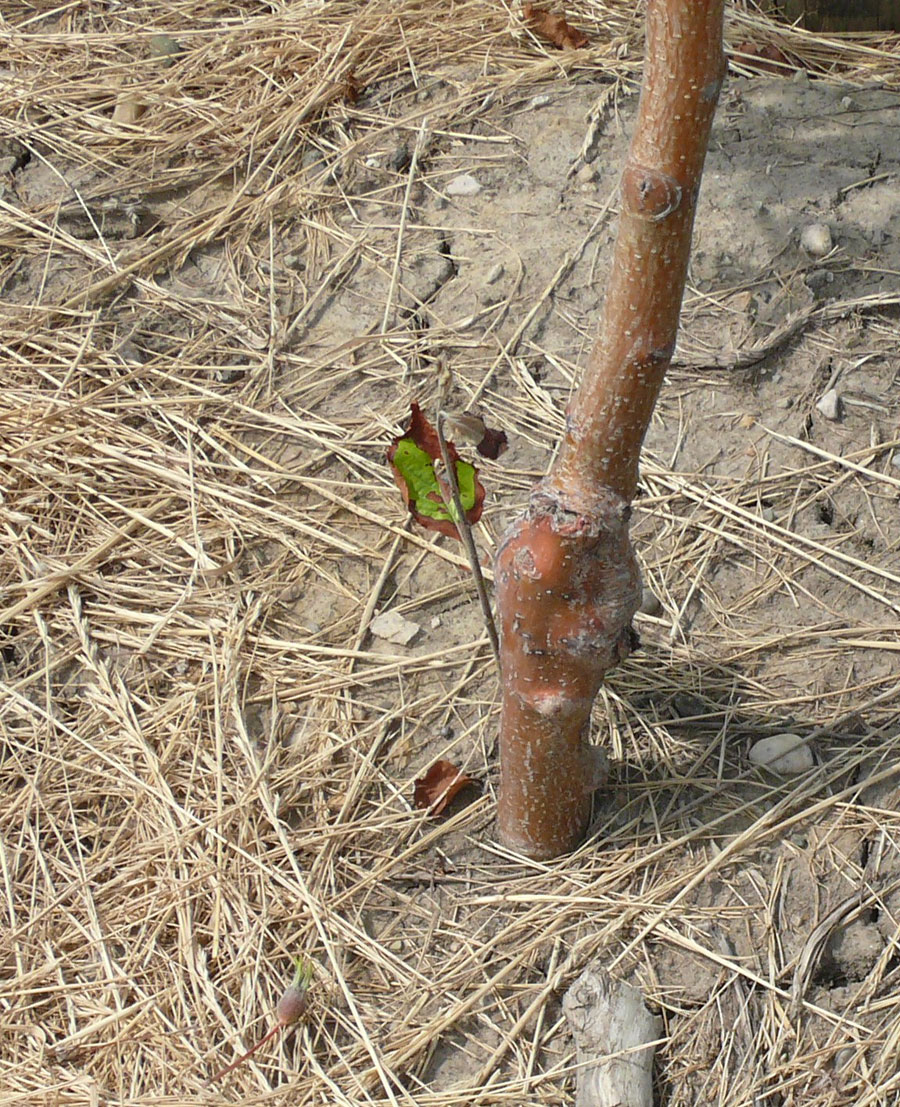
(129, 353)
(312, 159)
(540, 101)
(768, 513)
(373, 162)
(489, 296)
(399, 158)
(895, 460)
(784, 754)
(816, 279)
(650, 604)
(495, 273)
(165, 48)
(830, 405)
(464, 185)
(392, 627)
(687, 706)
(784, 403)
(844, 1056)
(586, 174)
(847, 102)
(435, 622)
(816, 239)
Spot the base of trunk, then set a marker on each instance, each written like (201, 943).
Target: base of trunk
(567, 589)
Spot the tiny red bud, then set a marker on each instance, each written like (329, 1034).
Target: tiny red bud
(292, 1006)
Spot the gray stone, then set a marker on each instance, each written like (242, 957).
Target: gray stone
(816, 240)
(830, 405)
(784, 754)
(464, 185)
(399, 158)
(392, 627)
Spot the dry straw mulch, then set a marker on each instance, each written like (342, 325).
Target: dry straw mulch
(206, 763)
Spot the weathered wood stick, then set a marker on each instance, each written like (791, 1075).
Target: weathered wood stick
(615, 1036)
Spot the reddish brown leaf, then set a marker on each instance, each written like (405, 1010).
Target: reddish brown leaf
(350, 88)
(439, 786)
(763, 59)
(415, 458)
(553, 28)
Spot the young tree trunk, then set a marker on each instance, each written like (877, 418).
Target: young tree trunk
(567, 582)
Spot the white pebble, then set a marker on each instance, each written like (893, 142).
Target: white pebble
(392, 627)
(830, 405)
(816, 239)
(464, 185)
(495, 273)
(540, 101)
(785, 754)
(895, 460)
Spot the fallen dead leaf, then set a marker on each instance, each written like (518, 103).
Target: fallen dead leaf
(350, 88)
(764, 59)
(439, 786)
(553, 28)
(129, 108)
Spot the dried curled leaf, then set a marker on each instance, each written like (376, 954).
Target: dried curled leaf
(439, 786)
(763, 59)
(415, 457)
(470, 429)
(553, 28)
(351, 88)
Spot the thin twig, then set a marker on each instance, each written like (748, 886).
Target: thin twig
(465, 531)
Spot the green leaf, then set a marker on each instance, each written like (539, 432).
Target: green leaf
(415, 460)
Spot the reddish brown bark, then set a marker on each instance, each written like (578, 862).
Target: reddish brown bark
(566, 577)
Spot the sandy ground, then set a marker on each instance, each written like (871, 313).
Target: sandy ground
(208, 759)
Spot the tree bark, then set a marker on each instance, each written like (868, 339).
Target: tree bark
(566, 577)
